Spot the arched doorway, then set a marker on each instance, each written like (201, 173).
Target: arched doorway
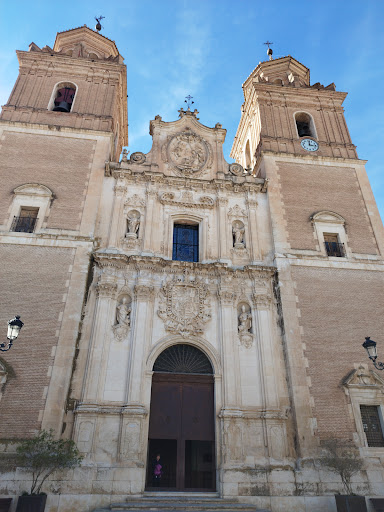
(181, 423)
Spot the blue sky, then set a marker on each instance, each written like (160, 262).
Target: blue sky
(207, 48)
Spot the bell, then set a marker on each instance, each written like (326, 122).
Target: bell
(63, 106)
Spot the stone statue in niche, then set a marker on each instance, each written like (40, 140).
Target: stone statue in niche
(245, 326)
(238, 235)
(123, 313)
(133, 224)
(245, 321)
(123, 319)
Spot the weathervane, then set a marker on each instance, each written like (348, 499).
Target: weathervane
(188, 100)
(269, 51)
(98, 26)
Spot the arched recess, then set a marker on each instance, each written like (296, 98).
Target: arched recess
(69, 96)
(181, 436)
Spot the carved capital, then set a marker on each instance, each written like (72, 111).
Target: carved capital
(227, 297)
(106, 289)
(263, 301)
(144, 292)
(222, 201)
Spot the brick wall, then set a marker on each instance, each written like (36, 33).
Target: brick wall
(308, 189)
(338, 309)
(32, 285)
(60, 163)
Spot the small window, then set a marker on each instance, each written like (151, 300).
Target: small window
(247, 155)
(304, 124)
(370, 417)
(26, 221)
(185, 242)
(332, 245)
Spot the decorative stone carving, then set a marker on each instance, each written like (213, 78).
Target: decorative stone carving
(184, 306)
(137, 158)
(227, 297)
(364, 378)
(262, 301)
(133, 224)
(238, 231)
(135, 200)
(245, 325)
(236, 211)
(123, 319)
(187, 200)
(236, 169)
(144, 292)
(106, 289)
(188, 153)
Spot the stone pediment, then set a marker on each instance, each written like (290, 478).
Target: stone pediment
(363, 378)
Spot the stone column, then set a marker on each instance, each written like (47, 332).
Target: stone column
(142, 330)
(99, 342)
(222, 230)
(269, 358)
(147, 245)
(253, 242)
(228, 328)
(117, 213)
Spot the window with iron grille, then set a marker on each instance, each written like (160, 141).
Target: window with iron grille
(185, 242)
(370, 417)
(26, 221)
(332, 245)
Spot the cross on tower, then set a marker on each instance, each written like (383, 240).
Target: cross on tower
(188, 100)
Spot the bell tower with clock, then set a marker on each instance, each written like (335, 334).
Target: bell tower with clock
(325, 228)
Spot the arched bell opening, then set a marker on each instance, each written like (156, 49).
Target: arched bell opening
(181, 444)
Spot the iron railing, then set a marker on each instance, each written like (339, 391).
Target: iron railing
(335, 249)
(24, 224)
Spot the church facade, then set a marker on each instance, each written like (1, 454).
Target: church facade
(179, 305)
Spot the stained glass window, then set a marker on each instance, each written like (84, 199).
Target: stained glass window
(185, 242)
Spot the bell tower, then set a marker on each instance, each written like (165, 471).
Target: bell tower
(80, 83)
(66, 115)
(325, 227)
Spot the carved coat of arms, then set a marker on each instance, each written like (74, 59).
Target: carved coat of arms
(187, 152)
(184, 307)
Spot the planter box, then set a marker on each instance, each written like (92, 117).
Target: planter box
(5, 504)
(31, 503)
(346, 503)
(378, 504)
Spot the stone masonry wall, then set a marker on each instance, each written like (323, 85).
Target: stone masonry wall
(307, 189)
(34, 286)
(329, 300)
(60, 163)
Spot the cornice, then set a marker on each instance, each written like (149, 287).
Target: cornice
(144, 174)
(297, 92)
(315, 159)
(53, 128)
(107, 258)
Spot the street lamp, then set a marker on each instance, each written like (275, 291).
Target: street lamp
(14, 327)
(370, 347)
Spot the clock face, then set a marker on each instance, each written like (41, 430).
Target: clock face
(309, 145)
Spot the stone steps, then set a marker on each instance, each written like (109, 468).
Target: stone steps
(180, 504)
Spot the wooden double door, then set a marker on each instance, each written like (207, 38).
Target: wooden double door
(182, 432)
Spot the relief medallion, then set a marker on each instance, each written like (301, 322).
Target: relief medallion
(188, 153)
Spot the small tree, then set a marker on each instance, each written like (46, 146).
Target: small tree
(43, 455)
(342, 458)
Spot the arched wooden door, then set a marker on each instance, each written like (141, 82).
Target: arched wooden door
(181, 423)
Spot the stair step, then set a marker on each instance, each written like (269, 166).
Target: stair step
(186, 504)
